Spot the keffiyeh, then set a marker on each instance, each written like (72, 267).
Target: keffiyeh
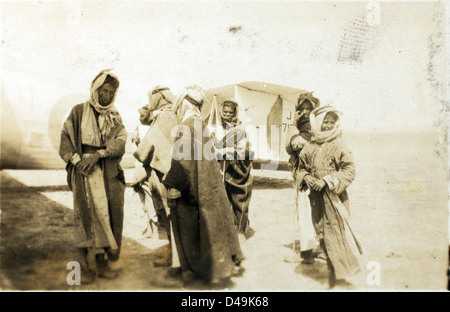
(189, 103)
(108, 115)
(316, 118)
(159, 99)
(309, 97)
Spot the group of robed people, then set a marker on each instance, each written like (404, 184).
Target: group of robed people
(201, 202)
(205, 219)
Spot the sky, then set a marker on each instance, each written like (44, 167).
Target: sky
(386, 72)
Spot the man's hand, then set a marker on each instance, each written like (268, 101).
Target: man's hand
(319, 185)
(87, 164)
(78, 166)
(310, 181)
(135, 139)
(172, 197)
(297, 116)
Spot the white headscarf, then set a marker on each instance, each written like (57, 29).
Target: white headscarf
(316, 119)
(160, 98)
(189, 103)
(108, 115)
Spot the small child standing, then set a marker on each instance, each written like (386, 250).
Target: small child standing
(326, 167)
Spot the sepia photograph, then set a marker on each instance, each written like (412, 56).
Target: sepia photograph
(224, 146)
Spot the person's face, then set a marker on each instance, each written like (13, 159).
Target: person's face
(328, 123)
(106, 94)
(228, 112)
(305, 109)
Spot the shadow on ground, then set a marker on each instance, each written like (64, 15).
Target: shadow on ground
(37, 245)
(317, 271)
(260, 182)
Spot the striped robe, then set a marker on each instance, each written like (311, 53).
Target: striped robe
(333, 162)
(99, 197)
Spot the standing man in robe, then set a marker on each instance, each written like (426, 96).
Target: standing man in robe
(206, 235)
(92, 145)
(235, 155)
(154, 153)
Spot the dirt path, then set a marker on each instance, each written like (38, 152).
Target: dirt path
(399, 210)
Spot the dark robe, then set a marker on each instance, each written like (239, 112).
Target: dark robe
(301, 128)
(205, 232)
(113, 175)
(237, 175)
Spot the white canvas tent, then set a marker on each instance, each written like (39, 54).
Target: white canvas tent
(266, 110)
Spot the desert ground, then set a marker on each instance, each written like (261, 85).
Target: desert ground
(399, 206)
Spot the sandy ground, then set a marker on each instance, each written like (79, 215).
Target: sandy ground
(399, 211)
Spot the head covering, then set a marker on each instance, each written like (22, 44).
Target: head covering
(302, 123)
(234, 121)
(189, 103)
(308, 96)
(159, 99)
(109, 116)
(316, 118)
